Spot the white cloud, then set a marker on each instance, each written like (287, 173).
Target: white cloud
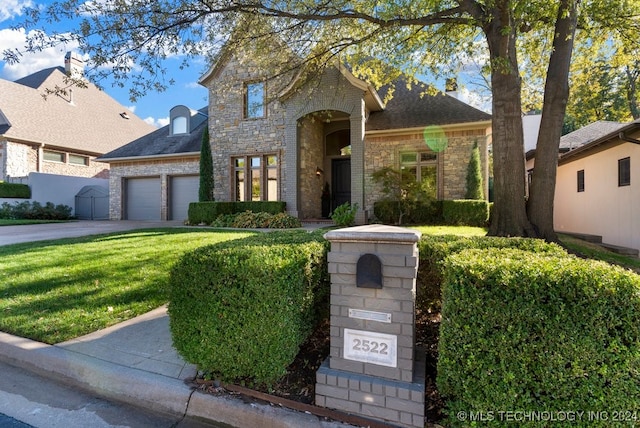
(11, 8)
(132, 109)
(158, 123)
(30, 62)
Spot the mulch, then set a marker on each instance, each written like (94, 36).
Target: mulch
(296, 389)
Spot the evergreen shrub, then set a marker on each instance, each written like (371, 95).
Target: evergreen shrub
(466, 212)
(208, 212)
(240, 310)
(537, 332)
(14, 190)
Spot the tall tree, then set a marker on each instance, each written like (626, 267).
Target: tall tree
(378, 39)
(205, 192)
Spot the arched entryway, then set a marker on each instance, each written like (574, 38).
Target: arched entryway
(324, 162)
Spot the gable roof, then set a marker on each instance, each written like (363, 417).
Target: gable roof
(85, 120)
(411, 107)
(161, 143)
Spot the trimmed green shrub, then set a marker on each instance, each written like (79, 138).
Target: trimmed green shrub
(208, 212)
(241, 310)
(434, 249)
(466, 212)
(531, 332)
(251, 220)
(205, 190)
(35, 211)
(421, 212)
(475, 187)
(14, 190)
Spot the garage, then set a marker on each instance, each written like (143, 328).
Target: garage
(142, 198)
(183, 190)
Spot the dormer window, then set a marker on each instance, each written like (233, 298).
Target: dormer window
(254, 100)
(179, 117)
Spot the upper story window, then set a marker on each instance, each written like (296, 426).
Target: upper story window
(624, 172)
(179, 117)
(50, 156)
(78, 160)
(254, 100)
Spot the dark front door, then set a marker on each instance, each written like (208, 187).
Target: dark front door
(340, 182)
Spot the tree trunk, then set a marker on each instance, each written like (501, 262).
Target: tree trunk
(509, 209)
(632, 89)
(556, 94)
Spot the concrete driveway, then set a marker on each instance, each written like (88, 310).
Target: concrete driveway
(48, 231)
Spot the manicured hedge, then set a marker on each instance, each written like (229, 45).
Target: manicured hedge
(434, 249)
(207, 212)
(388, 212)
(241, 309)
(14, 190)
(466, 212)
(526, 332)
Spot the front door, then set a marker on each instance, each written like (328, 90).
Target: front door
(340, 182)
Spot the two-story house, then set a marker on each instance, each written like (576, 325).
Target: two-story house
(49, 126)
(285, 139)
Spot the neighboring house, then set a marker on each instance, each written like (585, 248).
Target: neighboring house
(156, 176)
(598, 182)
(61, 133)
(284, 139)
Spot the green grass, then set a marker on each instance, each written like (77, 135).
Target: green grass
(594, 251)
(451, 230)
(54, 291)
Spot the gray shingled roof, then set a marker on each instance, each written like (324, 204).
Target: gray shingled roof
(412, 108)
(589, 133)
(160, 142)
(90, 124)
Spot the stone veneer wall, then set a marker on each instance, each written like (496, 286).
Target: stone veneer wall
(381, 151)
(18, 160)
(163, 168)
(231, 134)
(311, 141)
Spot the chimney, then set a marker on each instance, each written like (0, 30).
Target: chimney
(73, 65)
(451, 87)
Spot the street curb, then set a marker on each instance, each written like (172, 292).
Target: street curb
(144, 389)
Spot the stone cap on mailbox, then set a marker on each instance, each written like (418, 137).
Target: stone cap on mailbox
(374, 232)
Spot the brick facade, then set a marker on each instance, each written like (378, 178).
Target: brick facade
(163, 168)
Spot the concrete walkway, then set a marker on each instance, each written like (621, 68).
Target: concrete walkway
(134, 361)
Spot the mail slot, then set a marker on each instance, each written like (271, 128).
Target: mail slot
(369, 272)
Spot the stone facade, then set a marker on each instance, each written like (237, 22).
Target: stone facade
(18, 160)
(163, 168)
(299, 115)
(384, 150)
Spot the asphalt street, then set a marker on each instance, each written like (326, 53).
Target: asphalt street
(27, 399)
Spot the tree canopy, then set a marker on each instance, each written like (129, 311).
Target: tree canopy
(129, 39)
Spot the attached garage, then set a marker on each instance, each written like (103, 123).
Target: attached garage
(143, 199)
(182, 191)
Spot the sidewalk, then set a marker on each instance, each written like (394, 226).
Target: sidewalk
(135, 362)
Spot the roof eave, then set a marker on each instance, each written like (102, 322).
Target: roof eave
(615, 135)
(420, 129)
(148, 157)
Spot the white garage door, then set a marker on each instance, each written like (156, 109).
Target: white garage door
(143, 198)
(184, 190)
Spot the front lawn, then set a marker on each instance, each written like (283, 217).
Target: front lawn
(54, 291)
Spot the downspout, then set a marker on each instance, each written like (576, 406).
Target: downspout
(40, 156)
(628, 139)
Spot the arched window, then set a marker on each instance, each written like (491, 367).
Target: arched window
(180, 117)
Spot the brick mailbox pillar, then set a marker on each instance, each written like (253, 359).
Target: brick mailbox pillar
(373, 368)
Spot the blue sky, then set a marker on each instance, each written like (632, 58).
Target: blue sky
(153, 108)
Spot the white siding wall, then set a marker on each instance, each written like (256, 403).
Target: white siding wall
(603, 208)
